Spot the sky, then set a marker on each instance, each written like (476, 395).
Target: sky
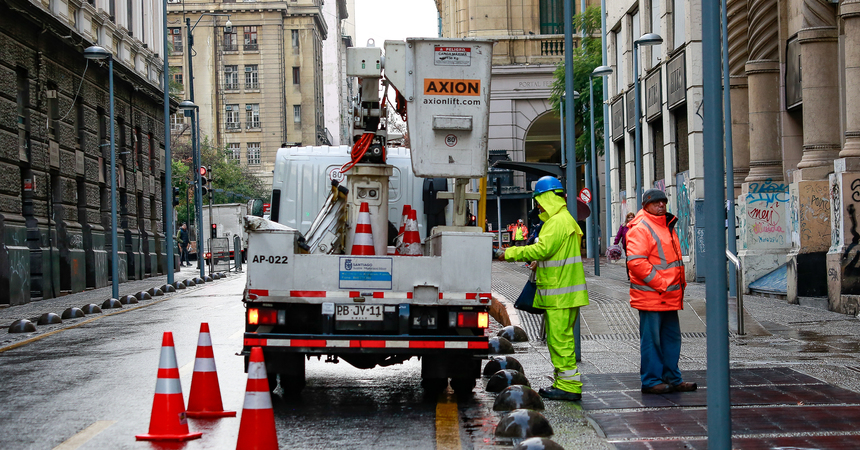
(394, 20)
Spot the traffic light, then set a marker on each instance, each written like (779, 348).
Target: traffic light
(175, 196)
(205, 186)
(498, 186)
(214, 231)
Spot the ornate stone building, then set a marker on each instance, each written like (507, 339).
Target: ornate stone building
(258, 84)
(54, 157)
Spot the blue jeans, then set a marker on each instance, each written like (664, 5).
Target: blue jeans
(659, 348)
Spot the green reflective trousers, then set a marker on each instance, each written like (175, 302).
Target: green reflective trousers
(562, 349)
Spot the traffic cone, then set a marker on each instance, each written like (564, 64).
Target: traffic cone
(411, 239)
(257, 427)
(399, 239)
(205, 398)
(168, 421)
(363, 242)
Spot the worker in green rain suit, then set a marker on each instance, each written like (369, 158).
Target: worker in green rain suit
(560, 278)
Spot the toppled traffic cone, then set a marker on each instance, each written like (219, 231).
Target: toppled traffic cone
(363, 242)
(257, 428)
(168, 420)
(205, 398)
(411, 239)
(399, 239)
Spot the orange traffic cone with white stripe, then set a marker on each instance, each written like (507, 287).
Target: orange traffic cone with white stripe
(205, 398)
(411, 239)
(362, 244)
(399, 239)
(168, 421)
(257, 427)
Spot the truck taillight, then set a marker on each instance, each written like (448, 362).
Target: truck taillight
(473, 320)
(265, 316)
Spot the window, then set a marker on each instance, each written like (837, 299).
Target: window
(295, 34)
(296, 75)
(176, 77)
(619, 61)
(252, 77)
(129, 6)
(254, 153)
(231, 43)
(53, 112)
(551, 12)
(250, 38)
(231, 78)
(655, 28)
(233, 152)
(175, 39)
(297, 113)
(177, 121)
(679, 26)
(252, 115)
(637, 33)
(232, 116)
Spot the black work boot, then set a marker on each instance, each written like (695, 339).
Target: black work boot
(555, 393)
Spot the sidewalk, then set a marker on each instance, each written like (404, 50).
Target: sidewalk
(34, 309)
(795, 373)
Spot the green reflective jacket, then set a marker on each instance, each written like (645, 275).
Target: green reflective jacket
(560, 277)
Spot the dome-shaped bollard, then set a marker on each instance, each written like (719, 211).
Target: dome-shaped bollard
(190, 283)
(523, 423)
(222, 274)
(178, 285)
(518, 397)
(49, 319)
(199, 280)
(22, 326)
(143, 295)
(208, 278)
(92, 308)
(167, 288)
(513, 334)
(128, 299)
(111, 303)
(497, 363)
(538, 443)
(504, 378)
(155, 292)
(500, 346)
(72, 313)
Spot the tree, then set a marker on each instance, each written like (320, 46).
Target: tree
(586, 58)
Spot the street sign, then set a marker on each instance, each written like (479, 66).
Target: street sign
(585, 195)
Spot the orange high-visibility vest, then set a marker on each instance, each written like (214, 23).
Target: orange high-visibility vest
(654, 263)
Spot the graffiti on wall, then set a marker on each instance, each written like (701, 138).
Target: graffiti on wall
(684, 208)
(835, 198)
(814, 216)
(766, 215)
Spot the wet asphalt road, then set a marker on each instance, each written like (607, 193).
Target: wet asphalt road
(100, 378)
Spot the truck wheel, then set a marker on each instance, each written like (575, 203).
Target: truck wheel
(434, 385)
(463, 386)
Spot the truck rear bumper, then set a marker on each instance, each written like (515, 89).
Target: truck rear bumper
(329, 344)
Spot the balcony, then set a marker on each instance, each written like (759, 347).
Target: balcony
(252, 85)
(253, 125)
(251, 47)
(230, 47)
(234, 126)
(231, 86)
(530, 49)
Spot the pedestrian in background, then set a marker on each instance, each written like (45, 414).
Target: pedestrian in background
(657, 286)
(183, 241)
(621, 236)
(560, 279)
(521, 233)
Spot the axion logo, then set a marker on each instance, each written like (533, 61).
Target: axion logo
(452, 87)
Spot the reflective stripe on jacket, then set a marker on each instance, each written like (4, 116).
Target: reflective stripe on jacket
(560, 276)
(654, 263)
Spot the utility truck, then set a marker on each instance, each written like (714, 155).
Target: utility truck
(308, 294)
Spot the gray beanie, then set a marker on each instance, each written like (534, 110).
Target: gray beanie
(653, 195)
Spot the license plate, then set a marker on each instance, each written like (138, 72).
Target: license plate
(353, 313)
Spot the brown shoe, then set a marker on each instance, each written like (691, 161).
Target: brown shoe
(686, 386)
(661, 388)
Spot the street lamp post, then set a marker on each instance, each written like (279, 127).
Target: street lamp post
(601, 71)
(646, 40)
(189, 106)
(168, 158)
(99, 53)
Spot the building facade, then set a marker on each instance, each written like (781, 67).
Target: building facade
(55, 193)
(258, 83)
(338, 89)
(529, 44)
(795, 126)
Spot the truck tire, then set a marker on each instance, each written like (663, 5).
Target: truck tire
(434, 385)
(463, 386)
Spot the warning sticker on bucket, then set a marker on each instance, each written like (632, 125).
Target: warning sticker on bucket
(365, 273)
(452, 56)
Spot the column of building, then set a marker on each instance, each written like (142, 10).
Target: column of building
(843, 269)
(762, 206)
(808, 191)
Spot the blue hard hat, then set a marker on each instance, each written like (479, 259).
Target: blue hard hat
(546, 184)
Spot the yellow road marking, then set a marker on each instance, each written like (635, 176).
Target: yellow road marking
(85, 435)
(447, 422)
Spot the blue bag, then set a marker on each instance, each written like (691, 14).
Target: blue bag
(525, 302)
